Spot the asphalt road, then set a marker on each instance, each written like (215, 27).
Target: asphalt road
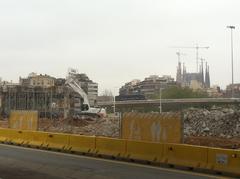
(24, 163)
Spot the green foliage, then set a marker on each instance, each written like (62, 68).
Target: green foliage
(177, 92)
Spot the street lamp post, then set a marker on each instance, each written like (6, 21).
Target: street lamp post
(231, 28)
(160, 100)
(114, 105)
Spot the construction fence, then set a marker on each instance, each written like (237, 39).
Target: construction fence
(24, 120)
(153, 127)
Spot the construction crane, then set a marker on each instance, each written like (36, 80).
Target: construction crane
(197, 48)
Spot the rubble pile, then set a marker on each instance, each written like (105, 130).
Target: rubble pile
(108, 127)
(216, 122)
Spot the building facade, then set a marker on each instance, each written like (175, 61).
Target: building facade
(149, 87)
(92, 92)
(44, 93)
(235, 88)
(36, 80)
(130, 88)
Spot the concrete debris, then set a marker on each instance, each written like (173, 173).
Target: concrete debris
(216, 122)
(213, 142)
(108, 127)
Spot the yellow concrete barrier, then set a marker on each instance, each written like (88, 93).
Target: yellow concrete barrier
(80, 143)
(6, 135)
(57, 141)
(18, 137)
(110, 146)
(215, 159)
(147, 151)
(185, 155)
(12, 136)
(224, 160)
(35, 139)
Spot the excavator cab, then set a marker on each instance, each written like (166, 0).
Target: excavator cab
(84, 107)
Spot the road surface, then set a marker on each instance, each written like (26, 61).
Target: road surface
(17, 162)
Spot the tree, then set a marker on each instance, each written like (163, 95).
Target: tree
(107, 92)
(177, 92)
(106, 95)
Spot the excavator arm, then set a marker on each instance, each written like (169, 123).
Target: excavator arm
(86, 109)
(76, 88)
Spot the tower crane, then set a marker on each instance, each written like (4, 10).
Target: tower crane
(197, 47)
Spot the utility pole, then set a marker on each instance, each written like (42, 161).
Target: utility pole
(114, 105)
(231, 29)
(51, 104)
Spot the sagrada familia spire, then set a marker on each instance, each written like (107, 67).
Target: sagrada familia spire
(179, 72)
(207, 76)
(185, 78)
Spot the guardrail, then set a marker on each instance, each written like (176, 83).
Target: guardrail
(197, 157)
(186, 100)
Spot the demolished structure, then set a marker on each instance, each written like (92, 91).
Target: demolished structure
(46, 94)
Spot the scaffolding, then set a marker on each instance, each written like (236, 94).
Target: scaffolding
(45, 100)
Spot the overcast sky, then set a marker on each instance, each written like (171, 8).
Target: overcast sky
(114, 41)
